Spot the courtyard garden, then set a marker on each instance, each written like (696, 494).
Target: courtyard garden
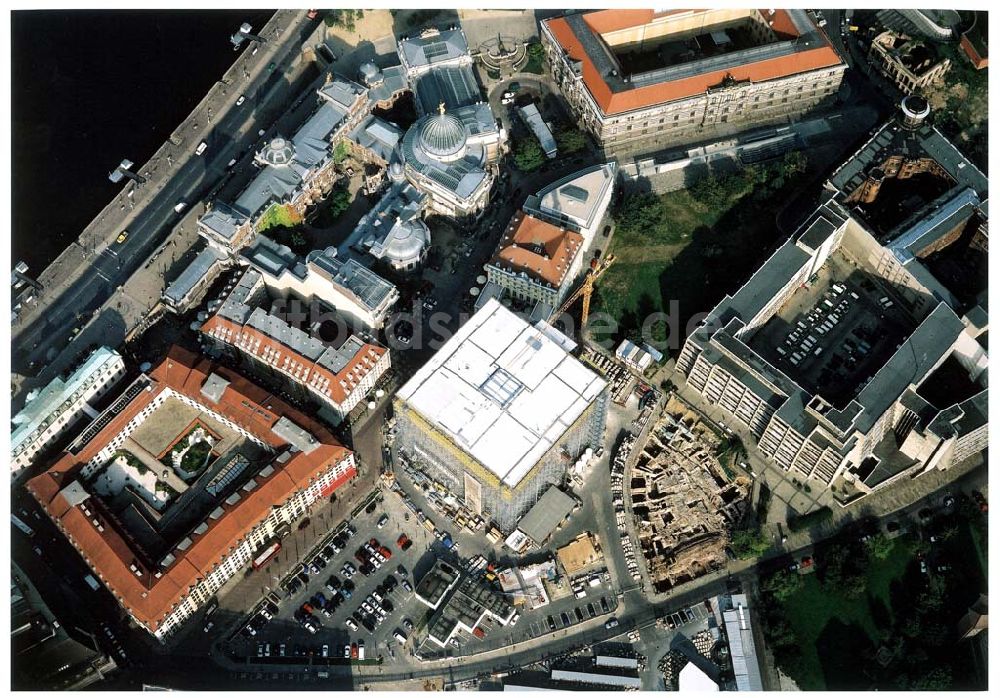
(126, 471)
(192, 452)
(278, 216)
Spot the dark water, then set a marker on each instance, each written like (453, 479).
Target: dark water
(90, 88)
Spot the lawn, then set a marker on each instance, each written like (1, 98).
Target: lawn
(889, 570)
(691, 258)
(823, 619)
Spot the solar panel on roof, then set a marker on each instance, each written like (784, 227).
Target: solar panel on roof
(435, 49)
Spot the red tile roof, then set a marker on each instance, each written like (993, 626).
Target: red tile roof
(352, 373)
(823, 56)
(111, 554)
(560, 248)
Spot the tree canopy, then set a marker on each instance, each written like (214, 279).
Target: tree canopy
(528, 155)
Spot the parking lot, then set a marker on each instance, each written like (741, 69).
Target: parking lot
(532, 623)
(349, 602)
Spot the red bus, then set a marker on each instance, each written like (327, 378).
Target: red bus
(266, 554)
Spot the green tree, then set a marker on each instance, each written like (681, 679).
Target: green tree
(341, 152)
(731, 449)
(794, 163)
(528, 155)
(879, 546)
(536, 59)
(570, 140)
(936, 679)
(782, 585)
(645, 216)
(749, 543)
(339, 201)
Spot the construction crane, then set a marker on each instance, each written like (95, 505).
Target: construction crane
(586, 289)
(124, 170)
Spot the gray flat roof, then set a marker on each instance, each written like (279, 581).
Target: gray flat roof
(911, 363)
(370, 289)
(222, 220)
(541, 130)
(549, 511)
(269, 256)
(196, 271)
(595, 678)
(772, 276)
(448, 45)
(295, 435)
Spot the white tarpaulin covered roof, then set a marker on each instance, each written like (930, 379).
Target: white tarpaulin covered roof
(503, 391)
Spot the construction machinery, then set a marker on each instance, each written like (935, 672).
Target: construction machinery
(586, 289)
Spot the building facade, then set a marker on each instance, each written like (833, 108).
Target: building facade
(536, 261)
(300, 463)
(336, 376)
(787, 68)
(61, 404)
(500, 412)
(359, 295)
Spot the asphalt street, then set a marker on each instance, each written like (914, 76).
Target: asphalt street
(59, 314)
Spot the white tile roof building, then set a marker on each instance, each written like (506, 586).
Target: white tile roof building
(504, 396)
(60, 404)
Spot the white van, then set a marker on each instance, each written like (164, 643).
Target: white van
(179, 208)
(202, 147)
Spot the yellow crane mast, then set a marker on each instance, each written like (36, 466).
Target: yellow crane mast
(586, 289)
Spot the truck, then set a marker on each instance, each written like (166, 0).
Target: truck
(91, 582)
(266, 554)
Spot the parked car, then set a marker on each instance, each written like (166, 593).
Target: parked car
(383, 520)
(980, 500)
(241, 100)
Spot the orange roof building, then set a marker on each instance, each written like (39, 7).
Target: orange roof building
(337, 376)
(163, 563)
(536, 260)
(639, 79)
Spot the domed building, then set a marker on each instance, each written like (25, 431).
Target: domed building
(444, 159)
(277, 153)
(394, 232)
(405, 245)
